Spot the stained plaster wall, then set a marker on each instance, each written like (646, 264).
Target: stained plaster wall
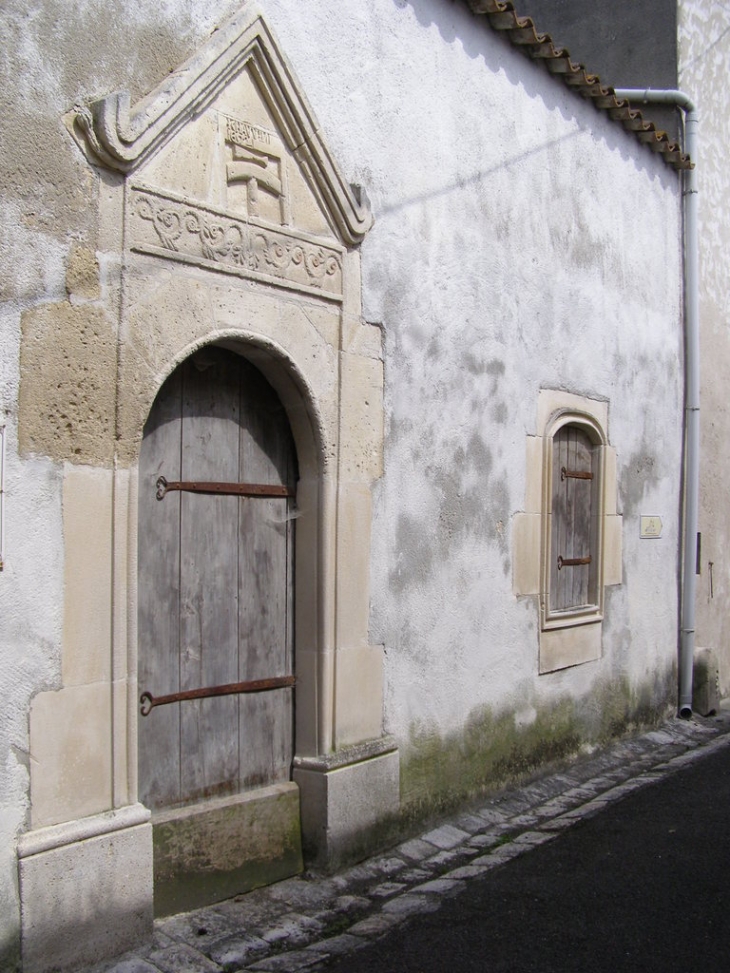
(55, 279)
(704, 48)
(521, 242)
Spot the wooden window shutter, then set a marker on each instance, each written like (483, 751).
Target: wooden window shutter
(573, 564)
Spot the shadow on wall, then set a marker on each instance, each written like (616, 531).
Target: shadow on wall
(453, 20)
(10, 953)
(456, 23)
(483, 174)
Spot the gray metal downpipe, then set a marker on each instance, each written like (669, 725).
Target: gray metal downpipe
(692, 379)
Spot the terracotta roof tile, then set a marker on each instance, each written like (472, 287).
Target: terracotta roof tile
(521, 32)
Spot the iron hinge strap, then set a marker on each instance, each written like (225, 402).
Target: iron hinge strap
(223, 489)
(148, 701)
(575, 474)
(571, 562)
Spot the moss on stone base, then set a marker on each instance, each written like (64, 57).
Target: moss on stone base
(213, 851)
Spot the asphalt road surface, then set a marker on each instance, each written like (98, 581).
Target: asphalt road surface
(643, 887)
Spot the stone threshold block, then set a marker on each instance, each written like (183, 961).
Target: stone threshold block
(212, 851)
(350, 801)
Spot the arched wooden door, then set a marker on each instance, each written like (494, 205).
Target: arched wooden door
(215, 599)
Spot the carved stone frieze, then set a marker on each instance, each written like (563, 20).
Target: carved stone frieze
(165, 225)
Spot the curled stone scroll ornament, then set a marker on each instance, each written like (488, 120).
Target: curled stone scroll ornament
(166, 222)
(236, 243)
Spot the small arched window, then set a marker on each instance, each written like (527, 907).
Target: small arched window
(572, 564)
(568, 539)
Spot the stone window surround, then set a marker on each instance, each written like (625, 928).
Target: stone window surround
(572, 638)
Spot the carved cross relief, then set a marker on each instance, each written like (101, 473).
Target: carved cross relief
(257, 159)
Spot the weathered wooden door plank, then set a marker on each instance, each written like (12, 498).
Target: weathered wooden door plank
(266, 456)
(159, 600)
(209, 575)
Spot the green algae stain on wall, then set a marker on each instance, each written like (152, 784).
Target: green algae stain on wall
(439, 773)
(620, 708)
(442, 772)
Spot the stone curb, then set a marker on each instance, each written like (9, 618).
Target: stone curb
(302, 923)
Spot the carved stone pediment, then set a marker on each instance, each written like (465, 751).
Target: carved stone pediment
(231, 132)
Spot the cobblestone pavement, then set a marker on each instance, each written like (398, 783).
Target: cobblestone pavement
(299, 924)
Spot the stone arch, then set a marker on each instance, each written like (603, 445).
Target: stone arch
(214, 605)
(314, 569)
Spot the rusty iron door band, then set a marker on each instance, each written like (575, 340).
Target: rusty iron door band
(223, 489)
(148, 701)
(571, 562)
(575, 474)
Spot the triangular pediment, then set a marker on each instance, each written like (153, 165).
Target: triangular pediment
(232, 130)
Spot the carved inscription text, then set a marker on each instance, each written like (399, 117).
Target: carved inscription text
(243, 133)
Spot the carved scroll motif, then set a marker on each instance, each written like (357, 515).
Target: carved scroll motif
(196, 233)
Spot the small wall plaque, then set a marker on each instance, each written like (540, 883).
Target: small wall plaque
(651, 527)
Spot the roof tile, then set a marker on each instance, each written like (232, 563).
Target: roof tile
(522, 33)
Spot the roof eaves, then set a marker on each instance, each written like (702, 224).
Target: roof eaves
(521, 32)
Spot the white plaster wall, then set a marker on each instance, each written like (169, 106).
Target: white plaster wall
(521, 241)
(30, 620)
(704, 51)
